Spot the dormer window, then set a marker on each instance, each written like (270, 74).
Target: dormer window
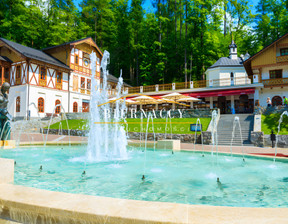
(284, 51)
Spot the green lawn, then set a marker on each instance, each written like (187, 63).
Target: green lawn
(179, 125)
(73, 124)
(270, 122)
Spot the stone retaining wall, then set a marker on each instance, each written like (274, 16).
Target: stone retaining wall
(65, 132)
(188, 138)
(77, 116)
(261, 140)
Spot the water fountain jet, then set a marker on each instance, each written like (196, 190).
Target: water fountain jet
(102, 135)
(279, 127)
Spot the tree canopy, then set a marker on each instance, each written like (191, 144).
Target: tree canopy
(176, 43)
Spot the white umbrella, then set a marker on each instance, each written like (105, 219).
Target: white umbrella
(189, 99)
(130, 101)
(174, 96)
(144, 99)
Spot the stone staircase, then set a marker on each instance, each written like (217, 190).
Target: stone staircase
(225, 128)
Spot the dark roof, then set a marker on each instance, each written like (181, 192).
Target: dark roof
(228, 62)
(3, 58)
(71, 42)
(232, 45)
(112, 78)
(34, 54)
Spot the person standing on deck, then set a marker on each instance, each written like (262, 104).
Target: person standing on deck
(268, 101)
(285, 101)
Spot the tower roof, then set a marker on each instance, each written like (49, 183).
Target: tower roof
(34, 53)
(232, 45)
(227, 62)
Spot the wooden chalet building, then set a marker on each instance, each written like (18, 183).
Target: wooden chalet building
(271, 66)
(40, 79)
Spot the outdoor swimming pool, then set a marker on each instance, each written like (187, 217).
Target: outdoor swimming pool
(185, 177)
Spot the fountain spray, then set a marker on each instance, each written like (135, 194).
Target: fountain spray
(279, 127)
(235, 122)
(198, 122)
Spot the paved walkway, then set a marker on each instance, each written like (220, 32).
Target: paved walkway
(238, 149)
(37, 138)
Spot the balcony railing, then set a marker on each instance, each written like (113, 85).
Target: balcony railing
(282, 58)
(18, 81)
(58, 85)
(195, 84)
(275, 82)
(42, 82)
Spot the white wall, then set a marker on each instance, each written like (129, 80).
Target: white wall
(76, 97)
(49, 96)
(14, 92)
(221, 75)
(265, 71)
(267, 92)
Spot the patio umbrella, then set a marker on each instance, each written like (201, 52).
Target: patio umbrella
(113, 100)
(144, 100)
(130, 102)
(174, 96)
(188, 99)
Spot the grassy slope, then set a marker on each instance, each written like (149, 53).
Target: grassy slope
(179, 125)
(270, 122)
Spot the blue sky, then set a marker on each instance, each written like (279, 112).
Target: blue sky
(148, 6)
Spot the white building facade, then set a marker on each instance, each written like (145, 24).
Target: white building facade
(40, 80)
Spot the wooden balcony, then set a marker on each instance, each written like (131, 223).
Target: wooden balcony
(282, 58)
(275, 82)
(18, 81)
(58, 86)
(42, 82)
(240, 81)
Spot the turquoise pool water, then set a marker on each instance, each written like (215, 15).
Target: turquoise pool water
(185, 177)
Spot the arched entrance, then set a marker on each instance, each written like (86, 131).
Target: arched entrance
(222, 104)
(276, 101)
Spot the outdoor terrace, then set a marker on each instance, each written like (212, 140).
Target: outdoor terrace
(241, 81)
(195, 84)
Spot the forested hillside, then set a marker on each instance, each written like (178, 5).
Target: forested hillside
(177, 42)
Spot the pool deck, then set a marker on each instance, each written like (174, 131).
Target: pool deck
(26, 205)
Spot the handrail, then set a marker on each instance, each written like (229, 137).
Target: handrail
(275, 82)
